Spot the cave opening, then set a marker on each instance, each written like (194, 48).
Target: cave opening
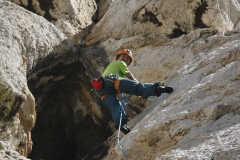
(62, 130)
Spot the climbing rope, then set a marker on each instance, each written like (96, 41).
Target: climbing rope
(118, 136)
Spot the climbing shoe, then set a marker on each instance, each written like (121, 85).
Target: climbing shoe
(164, 89)
(125, 129)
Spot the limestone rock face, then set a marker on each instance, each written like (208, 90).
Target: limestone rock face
(173, 18)
(103, 8)
(192, 46)
(200, 119)
(73, 17)
(25, 38)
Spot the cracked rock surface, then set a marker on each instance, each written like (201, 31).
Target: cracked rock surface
(48, 63)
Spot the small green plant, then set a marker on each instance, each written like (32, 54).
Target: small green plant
(8, 107)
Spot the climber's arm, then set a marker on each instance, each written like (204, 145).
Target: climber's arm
(130, 76)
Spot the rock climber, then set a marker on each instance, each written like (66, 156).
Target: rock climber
(118, 78)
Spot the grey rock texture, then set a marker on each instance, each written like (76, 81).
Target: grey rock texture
(48, 58)
(23, 42)
(173, 18)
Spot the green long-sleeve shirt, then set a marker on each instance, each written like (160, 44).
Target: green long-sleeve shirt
(117, 67)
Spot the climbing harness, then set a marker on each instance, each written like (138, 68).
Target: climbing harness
(97, 85)
(121, 111)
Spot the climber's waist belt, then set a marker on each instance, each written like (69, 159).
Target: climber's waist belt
(114, 79)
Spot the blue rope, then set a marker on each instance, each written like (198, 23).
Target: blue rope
(118, 137)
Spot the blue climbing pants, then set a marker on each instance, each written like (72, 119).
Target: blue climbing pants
(127, 86)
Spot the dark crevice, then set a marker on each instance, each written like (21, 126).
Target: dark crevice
(95, 16)
(98, 152)
(177, 32)
(198, 15)
(45, 5)
(59, 133)
(150, 17)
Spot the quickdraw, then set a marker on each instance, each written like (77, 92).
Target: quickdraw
(96, 97)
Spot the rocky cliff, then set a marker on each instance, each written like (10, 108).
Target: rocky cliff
(51, 49)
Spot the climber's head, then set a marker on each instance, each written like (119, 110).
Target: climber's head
(125, 55)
